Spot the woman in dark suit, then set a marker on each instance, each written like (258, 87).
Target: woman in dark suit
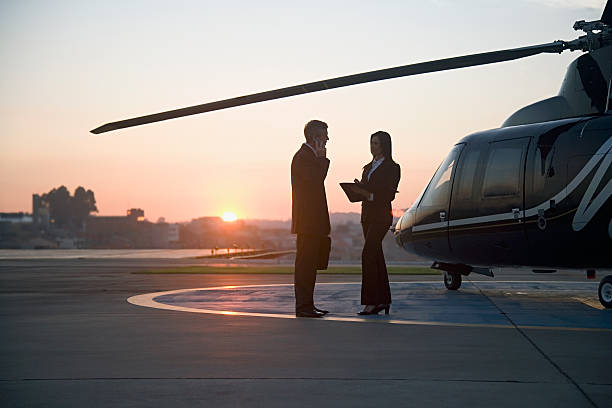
(378, 186)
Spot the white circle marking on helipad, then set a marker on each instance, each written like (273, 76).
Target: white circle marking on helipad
(149, 300)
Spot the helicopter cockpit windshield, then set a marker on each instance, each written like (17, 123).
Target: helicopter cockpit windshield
(430, 211)
(432, 204)
(438, 190)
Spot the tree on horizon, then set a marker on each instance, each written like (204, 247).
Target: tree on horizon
(68, 211)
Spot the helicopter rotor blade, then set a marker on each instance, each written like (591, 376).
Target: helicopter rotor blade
(606, 16)
(355, 79)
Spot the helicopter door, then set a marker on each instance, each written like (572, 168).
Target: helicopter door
(567, 190)
(430, 230)
(546, 177)
(487, 210)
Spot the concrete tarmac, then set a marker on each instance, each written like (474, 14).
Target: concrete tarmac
(69, 338)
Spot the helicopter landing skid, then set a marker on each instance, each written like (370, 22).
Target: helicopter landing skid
(461, 269)
(453, 272)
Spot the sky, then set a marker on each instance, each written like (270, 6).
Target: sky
(71, 66)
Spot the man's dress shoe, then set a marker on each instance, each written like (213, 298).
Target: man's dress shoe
(321, 311)
(308, 313)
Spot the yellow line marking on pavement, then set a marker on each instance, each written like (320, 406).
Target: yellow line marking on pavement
(148, 300)
(590, 302)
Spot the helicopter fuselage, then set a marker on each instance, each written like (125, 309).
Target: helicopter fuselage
(531, 195)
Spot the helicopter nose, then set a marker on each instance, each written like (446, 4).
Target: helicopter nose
(403, 229)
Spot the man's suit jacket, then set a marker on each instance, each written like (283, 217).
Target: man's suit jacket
(309, 214)
(383, 183)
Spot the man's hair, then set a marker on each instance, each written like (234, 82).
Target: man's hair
(312, 128)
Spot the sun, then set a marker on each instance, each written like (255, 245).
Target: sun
(229, 216)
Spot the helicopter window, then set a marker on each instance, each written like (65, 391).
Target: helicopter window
(438, 191)
(543, 168)
(503, 170)
(466, 175)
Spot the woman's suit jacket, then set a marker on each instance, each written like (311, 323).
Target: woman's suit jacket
(383, 183)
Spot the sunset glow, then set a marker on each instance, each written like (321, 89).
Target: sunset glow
(195, 166)
(229, 216)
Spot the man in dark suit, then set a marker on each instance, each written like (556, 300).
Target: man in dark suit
(310, 217)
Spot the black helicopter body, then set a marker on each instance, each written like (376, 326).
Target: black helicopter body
(534, 193)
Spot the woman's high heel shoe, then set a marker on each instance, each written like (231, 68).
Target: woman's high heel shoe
(380, 307)
(374, 310)
(367, 310)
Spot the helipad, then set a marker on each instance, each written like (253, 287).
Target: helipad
(500, 304)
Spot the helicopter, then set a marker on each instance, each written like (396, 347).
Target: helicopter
(533, 193)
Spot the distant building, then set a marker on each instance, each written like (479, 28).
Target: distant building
(173, 233)
(40, 211)
(206, 222)
(67, 243)
(165, 235)
(159, 237)
(130, 231)
(16, 218)
(136, 213)
(18, 231)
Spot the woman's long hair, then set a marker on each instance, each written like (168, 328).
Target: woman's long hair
(385, 142)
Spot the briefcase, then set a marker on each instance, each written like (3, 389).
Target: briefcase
(324, 250)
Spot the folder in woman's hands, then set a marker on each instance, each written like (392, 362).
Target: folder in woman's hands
(352, 195)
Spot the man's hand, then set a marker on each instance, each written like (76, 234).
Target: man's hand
(320, 149)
